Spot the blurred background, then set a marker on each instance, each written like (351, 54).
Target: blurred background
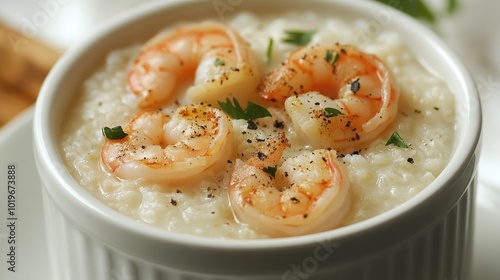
(35, 33)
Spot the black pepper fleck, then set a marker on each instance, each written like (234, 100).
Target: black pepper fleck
(261, 155)
(355, 86)
(173, 202)
(251, 125)
(278, 124)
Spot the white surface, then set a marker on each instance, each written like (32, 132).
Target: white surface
(32, 262)
(61, 23)
(31, 245)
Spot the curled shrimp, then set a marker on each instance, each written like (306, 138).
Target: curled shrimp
(221, 62)
(167, 149)
(261, 146)
(309, 193)
(355, 96)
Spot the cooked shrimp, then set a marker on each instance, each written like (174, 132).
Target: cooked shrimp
(309, 193)
(358, 85)
(222, 63)
(168, 149)
(262, 145)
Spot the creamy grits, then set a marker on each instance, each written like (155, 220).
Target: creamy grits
(380, 176)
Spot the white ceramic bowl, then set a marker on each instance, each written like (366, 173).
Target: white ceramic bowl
(428, 237)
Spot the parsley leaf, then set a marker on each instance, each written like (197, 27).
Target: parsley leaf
(396, 140)
(299, 38)
(418, 8)
(234, 111)
(255, 111)
(414, 8)
(271, 170)
(452, 6)
(332, 112)
(252, 112)
(115, 133)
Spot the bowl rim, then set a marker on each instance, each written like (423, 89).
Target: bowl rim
(48, 153)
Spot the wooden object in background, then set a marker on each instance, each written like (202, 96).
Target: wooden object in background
(24, 63)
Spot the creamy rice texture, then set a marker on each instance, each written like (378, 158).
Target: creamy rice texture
(381, 177)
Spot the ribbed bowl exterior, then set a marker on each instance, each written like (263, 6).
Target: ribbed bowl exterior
(439, 251)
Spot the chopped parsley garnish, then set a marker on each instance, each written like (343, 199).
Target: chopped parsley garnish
(298, 38)
(331, 57)
(219, 62)
(332, 112)
(396, 140)
(271, 170)
(417, 8)
(269, 50)
(452, 6)
(252, 112)
(115, 133)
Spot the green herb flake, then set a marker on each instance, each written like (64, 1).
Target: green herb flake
(417, 8)
(328, 56)
(452, 6)
(219, 62)
(115, 133)
(269, 50)
(396, 140)
(298, 38)
(335, 58)
(235, 111)
(271, 170)
(255, 111)
(331, 57)
(332, 112)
